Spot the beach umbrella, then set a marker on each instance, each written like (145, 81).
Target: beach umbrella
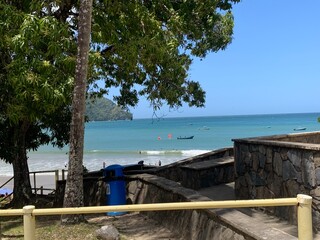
(4, 191)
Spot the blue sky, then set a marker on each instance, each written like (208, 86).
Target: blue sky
(271, 66)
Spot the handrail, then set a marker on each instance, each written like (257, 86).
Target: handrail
(170, 206)
(44, 171)
(35, 188)
(6, 182)
(56, 176)
(8, 196)
(303, 203)
(56, 172)
(49, 191)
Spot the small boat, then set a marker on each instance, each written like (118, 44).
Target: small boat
(300, 129)
(183, 138)
(204, 128)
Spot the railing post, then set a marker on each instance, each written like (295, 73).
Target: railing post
(35, 183)
(304, 217)
(29, 223)
(56, 178)
(63, 177)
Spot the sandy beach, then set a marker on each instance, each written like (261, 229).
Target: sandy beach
(45, 180)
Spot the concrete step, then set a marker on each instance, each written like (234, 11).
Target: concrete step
(262, 225)
(208, 173)
(217, 162)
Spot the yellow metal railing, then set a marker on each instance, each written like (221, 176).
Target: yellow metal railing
(303, 203)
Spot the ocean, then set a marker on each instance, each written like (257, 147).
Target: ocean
(154, 140)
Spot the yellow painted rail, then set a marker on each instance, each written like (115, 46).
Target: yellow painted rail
(303, 203)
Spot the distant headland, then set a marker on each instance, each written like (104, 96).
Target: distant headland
(103, 109)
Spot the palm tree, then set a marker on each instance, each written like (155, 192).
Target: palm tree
(74, 187)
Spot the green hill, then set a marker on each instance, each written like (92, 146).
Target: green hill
(102, 109)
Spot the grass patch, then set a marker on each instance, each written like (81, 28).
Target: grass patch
(11, 228)
(70, 232)
(48, 228)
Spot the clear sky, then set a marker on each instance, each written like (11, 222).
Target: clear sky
(271, 66)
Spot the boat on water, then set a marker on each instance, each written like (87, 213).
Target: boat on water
(183, 138)
(300, 129)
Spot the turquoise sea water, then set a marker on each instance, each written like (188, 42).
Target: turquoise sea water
(154, 140)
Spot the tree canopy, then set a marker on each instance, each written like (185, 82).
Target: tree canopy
(141, 47)
(37, 68)
(151, 44)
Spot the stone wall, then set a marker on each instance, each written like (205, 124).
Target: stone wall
(208, 173)
(179, 173)
(279, 167)
(95, 189)
(189, 224)
(310, 137)
(201, 224)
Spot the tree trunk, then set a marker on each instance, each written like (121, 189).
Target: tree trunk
(74, 187)
(22, 187)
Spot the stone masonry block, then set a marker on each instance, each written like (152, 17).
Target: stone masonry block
(316, 159)
(248, 180)
(262, 149)
(275, 186)
(262, 160)
(254, 148)
(244, 148)
(295, 157)
(292, 188)
(316, 192)
(289, 172)
(308, 169)
(268, 167)
(269, 154)
(248, 159)
(255, 161)
(317, 173)
(284, 153)
(277, 164)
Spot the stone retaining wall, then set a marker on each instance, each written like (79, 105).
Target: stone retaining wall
(277, 167)
(95, 189)
(310, 138)
(189, 224)
(176, 171)
(208, 173)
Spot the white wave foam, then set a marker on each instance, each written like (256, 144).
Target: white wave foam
(188, 153)
(153, 152)
(95, 151)
(191, 153)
